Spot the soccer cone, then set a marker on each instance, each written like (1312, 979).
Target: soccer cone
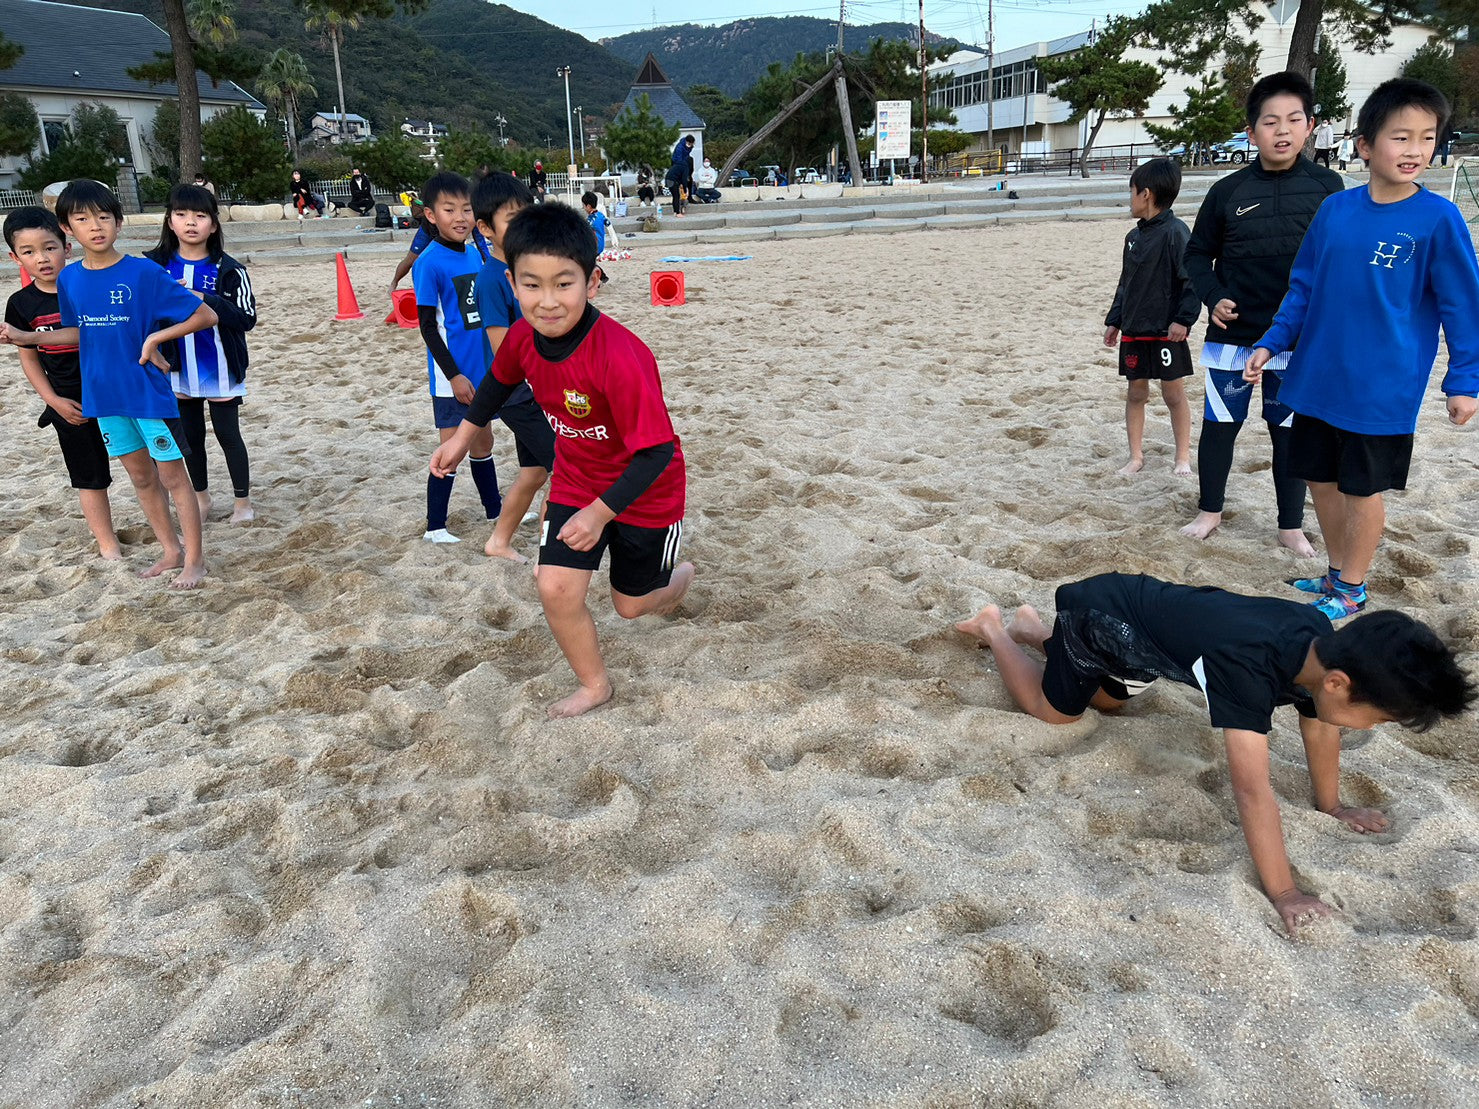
(348, 302)
(25, 277)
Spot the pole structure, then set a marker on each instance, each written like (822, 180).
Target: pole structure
(990, 81)
(844, 106)
(580, 122)
(564, 71)
(924, 102)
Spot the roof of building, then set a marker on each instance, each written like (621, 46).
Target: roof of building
(671, 108)
(347, 117)
(94, 54)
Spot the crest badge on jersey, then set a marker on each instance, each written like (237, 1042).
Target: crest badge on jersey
(577, 404)
(1132, 361)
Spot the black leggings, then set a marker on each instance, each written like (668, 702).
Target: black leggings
(1214, 463)
(226, 422)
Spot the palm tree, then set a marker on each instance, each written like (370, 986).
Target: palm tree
(333, 19)
(212, 22)
(283, 83)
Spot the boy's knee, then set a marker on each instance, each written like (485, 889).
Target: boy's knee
(558, 590)
(1139, 392)
(627, 607)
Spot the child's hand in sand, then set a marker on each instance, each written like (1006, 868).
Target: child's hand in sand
(1361, 820)
(1253, 371)
(583, 530)
(1177, 333)
(1111, 336)
(463, 389)
(1224, 311)
(1461, 409)
(1298, 909)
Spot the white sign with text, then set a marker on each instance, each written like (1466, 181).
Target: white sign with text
(894, 121)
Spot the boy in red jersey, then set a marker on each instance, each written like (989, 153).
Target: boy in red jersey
(619, 479)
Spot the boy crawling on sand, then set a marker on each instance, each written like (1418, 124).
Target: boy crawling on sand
(1116, 633)
(619, 479)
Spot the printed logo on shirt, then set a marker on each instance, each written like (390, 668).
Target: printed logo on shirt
(1245, 211)
(467, 301)
(563, 429)
(577, 404)
(208, 282)
(120, 294)
(1387, 253)
(163, 443)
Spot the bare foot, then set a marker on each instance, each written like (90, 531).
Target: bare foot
(189, 578)
(110, 552)
(170, 560)
(242, 512)
(1296, 541)
(678, 587)
(1134, 466)
(581, 701)
(1204, 525)
(203, 498)
(983, 625)
(495, 549)
(1027, 627)
(1183, 467)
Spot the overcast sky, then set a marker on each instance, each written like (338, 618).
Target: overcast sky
(1017, 21)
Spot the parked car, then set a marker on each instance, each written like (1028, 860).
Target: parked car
(1237, 149)
(738, 176)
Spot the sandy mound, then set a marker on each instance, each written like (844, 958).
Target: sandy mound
(305, 838)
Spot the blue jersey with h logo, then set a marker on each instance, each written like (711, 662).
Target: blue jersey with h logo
(201, 364)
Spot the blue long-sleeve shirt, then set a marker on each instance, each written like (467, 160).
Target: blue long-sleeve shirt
(1369, 289)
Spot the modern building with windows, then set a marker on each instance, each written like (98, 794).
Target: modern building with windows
(89, 65)
(1027, 117)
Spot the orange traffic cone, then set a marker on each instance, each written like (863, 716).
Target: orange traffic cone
(25, 277)
(348, 302)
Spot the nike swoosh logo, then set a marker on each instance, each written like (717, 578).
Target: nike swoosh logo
(1245, 211)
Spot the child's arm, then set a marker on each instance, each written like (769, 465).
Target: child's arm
(1115, 315)
(1289, 321)
(1189, 307)
(491, 395)
(65, 407)
(1202, 250)
(60, 337)
(1454, 277)
(402, 268)
(202, 318)
(462, 388)
(1322, 752)
(582, 531)
(1258, 809)
(234, 304)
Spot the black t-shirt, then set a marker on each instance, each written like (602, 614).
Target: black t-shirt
(32, 310)
(1242, 652)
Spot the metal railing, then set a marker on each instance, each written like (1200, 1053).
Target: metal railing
(1104, 159)
(18, 198)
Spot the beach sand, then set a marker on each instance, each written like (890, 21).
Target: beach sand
(306, 838)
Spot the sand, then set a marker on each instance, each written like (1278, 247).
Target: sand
(305, 837)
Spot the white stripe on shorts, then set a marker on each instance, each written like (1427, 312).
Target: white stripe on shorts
(671, 544)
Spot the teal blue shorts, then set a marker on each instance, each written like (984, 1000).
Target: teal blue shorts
(126, 434)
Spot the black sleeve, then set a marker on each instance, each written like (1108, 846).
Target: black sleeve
(426, 315)
(1205, 245)
(233, 302)
(1189, 307)
(645, 467)
(492, 395)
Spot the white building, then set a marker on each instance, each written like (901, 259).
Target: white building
(1021, 95)
(339, 127)
(75, 55)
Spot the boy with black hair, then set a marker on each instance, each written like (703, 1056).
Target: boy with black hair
(1398, 261)
(1116, 633)
(619, 479)
(496, 199)
(1238, 257)
(445, 278)
(1154, 306)
(121, 310)
(596, 218)
(38, 246)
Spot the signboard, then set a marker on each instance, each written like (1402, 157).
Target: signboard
(893, 128)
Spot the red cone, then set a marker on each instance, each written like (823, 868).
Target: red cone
(348, 302)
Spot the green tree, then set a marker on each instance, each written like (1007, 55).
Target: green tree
(1210, 116)
(1330, 81)
(393, 162)
(1240, 69)
(1434, 63)
(246, 156)
(95, 140)
(283, 83)
(640, 135)
(1098, 83)
(20, 126)
(10, 52)
(164, 140)
(722, 114)
(467, 151)
(333, 18)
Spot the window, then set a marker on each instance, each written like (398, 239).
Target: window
(55, 133)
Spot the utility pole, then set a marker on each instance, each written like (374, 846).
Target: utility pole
(844, 107)
(580, 124)
(501, 120)
(924, 102)
(564, 71)
(990, 81)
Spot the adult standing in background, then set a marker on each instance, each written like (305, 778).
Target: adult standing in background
(1324, 142)
(537, 182)
(680, 173)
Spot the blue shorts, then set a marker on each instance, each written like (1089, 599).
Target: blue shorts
(122, 435)
(1229, 396)
(448, 411)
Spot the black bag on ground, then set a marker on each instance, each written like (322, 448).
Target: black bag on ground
(382, 216)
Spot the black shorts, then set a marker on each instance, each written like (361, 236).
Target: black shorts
(82, 450)
(1144, 359)
(533, 437)
(1086, 654)
(1359, 465)
(642, 559)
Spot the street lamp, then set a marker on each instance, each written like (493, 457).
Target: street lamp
(580, 126)
(501, 119)
(564, 71)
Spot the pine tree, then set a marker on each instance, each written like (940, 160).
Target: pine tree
(1098, 83)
